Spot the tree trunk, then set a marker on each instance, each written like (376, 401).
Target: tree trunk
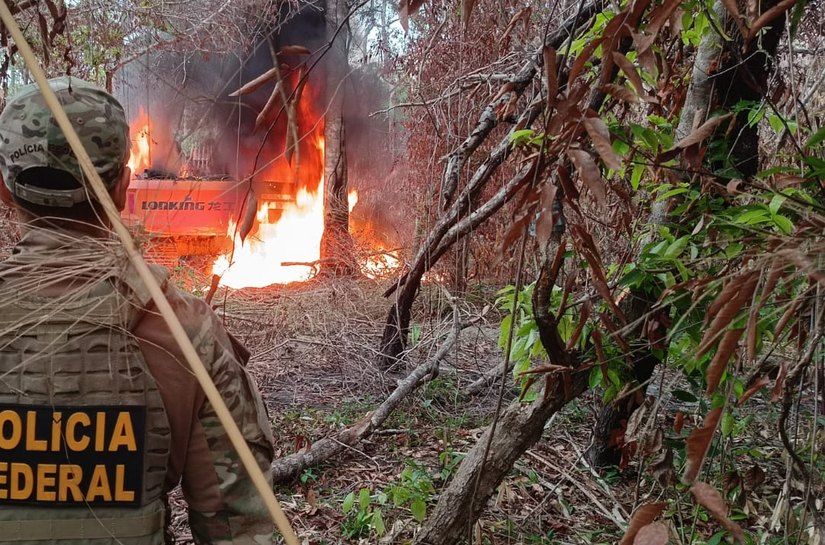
(741, 75)
(519, 427)
(336, 244)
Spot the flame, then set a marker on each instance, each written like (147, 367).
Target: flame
(140, 129)
(263, 258)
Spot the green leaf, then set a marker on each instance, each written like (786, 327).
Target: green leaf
(816, 138)
(753, 217)
(676, 247)
(521, 137)
(364, 499)
(734, 249)
(595, 378)
(727, 424)
(614, 378)
(776, 203)
(672, 193)
(684, 396)
(349, 501)
(377, 522)
(419, 509)
(776, 123)
(636, 176)
(783, 224)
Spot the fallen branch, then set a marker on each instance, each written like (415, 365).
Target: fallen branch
(288, 467)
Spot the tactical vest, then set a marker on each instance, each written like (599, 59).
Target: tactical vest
(84, 437)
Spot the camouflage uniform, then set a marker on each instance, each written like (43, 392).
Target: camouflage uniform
(52, 265)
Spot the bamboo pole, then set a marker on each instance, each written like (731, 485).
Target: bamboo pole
(178, 333)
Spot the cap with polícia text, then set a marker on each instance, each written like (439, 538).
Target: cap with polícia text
(30, 137)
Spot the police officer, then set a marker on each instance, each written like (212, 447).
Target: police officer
(100, 416)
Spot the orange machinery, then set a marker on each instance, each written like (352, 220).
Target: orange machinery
(192, 215)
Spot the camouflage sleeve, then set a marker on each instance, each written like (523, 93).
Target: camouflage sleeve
(242, 517)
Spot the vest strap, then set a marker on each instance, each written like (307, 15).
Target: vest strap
(37, 530)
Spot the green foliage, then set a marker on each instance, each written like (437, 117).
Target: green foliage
(364, 517)
(413, 490)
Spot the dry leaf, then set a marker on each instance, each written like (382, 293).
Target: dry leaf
(709, 498)
(250, 210)
(696, 136)
(661, 468)
(768, 16)
(546, 221)
(644, 515)
(654, 533)
(406, 9)
(753, 478)
(621, 92)
(600, 136)
(294, 50)
(466, 11)
(657, 18)
(523, 13)
(724, 309)
(760, 382)
(549, 55)
(629, 71)
(698, 444)
(269, 106)
(584, 56)
(727, 346)
(589, 173)
(256, 83)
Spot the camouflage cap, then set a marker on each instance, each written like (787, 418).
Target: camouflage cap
(30, 137)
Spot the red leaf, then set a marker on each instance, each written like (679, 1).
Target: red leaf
(589, 173)
(644, 515)
(735, 296)
(249, 212)
(653, 534)
(253, 85)
(789, 313)
(629, 71)
(549, 55)
(546, 221)
(709, 498)
(698, 444)
(597, 343)
(702, 132)
(466, 11)
(584, 56)
(621, 92)
(733, 9)
(760, 382)
(769, 16)
(727, 346)
(678, 421)
(657, 18)
(523, 13)
(406, 9)
(600, 136)
(294, 50)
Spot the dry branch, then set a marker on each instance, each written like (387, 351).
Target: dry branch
(520, 426)
(288, 467)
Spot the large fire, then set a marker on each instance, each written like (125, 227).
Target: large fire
(141, 156)
(284, 243)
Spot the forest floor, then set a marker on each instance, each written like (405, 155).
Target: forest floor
(314, 357)
(314, 349)
(314, 353)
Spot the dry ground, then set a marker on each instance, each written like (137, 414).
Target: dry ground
(313, 355)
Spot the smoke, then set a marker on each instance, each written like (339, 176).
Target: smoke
(187, 97)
